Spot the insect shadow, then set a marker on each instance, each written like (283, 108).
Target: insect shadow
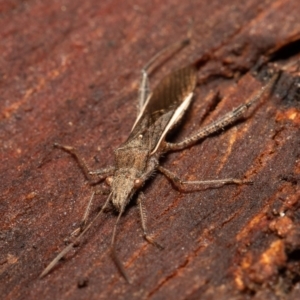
(138, 157)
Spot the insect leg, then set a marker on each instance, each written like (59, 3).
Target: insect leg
(180, 184)
(84, 220)
(74, 243)
(143, 215)
(102, 173)
(152, 64)
(227, 119)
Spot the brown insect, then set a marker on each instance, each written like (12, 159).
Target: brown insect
(137, 159)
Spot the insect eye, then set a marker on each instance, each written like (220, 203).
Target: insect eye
(138, 183)
(109, 180)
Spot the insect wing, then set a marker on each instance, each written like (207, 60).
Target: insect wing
(165, 106)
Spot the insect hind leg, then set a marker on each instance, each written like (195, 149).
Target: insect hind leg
(224, 121)
(157, 60)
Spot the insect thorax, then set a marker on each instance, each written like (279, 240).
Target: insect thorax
(132, 158)
(130, 165)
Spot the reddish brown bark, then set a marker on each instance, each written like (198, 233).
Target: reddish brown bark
(69, 74)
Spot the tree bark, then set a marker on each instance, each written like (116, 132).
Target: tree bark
(69, 74)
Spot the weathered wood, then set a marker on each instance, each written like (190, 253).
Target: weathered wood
(69, 74)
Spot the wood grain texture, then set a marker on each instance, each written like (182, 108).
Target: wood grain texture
(69, 73)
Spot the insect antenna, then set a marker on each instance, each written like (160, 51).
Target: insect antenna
(75, 242)
(113, 249)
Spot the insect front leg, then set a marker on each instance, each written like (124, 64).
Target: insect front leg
(84, 220)
(224, 121)
(143, 215)
(60, 255)
(101, 173)
(181, 184)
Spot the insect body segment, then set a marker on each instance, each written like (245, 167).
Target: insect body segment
(129, 169)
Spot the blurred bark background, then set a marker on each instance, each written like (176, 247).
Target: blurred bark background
(69, 73)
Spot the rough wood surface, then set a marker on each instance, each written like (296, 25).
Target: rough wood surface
(68, 73)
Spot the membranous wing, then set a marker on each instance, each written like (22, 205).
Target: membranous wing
(164, 108)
